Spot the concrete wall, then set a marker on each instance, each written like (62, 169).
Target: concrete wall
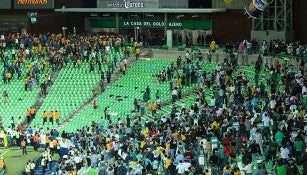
(300, 20)
(262, 35)
(232, 26)
(235, 4)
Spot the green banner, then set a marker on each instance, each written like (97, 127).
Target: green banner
(152, 24)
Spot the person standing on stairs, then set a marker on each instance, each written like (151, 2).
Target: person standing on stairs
(108, 76)
(5, 96)
(50, 117)
(28, 116)
(57, 117)
(153, 108)
(95, 105)
(102, 88)
(137, 53)
(32, 112)
(44, 116)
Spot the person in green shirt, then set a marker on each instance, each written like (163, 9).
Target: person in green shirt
(278, 137)
(92, 171)
(281, 169)
(299, 148)
(273, 147)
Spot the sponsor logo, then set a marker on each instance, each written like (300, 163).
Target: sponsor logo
(127, 5)
(32, 2)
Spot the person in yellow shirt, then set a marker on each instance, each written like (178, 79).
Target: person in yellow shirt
(178, 81)
(74, 172)
(29, 67)
(47, 140)
(214, 125)
(44, 116)
(183, 137)
(108, 146)
(57, 117)
(43, 65)
(9, 76)
(32, 112)
(153, 108)
(2, 166)
(167, 162)
(79, 63)
(28, 116)
(213, 46)
(137, 53)
(50, 115)
(146, 133)
(104, 43)
(128, 51)
(135, 44)
(142, 144)
(175, 135)
(123, 69)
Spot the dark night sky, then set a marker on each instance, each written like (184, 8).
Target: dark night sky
(200, 3)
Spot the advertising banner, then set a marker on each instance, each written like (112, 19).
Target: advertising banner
(152, 24)
(33, 4)
(127, 4)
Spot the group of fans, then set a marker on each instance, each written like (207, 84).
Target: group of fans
(244, 128)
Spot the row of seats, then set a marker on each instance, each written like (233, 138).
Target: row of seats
(19, 100)
(120, 96)
(72, 88)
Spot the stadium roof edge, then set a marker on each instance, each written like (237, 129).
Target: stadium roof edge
(141, 10)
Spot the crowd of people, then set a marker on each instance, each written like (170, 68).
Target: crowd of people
(262, 126)
(246, 119)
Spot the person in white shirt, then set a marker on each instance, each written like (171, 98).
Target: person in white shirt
(174, 94)
(293, 107)
(107, 49)
(248, 168)
(13, 53)
(187, 166)
(183, 107)
(78, 161)
(28, 167)
(188, 56)
(258, 138)
(273, 104)
(27, 51)
(284, 153)
(181, 168)
(266, 120)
